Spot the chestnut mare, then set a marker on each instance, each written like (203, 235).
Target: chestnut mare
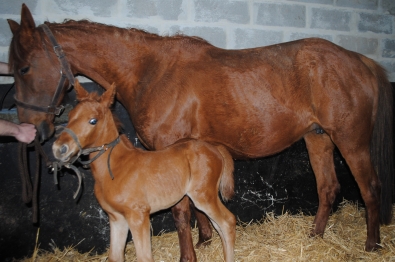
(131, 184)
(256, 102)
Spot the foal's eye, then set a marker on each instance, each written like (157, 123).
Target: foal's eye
(24, 70)
(93, 121)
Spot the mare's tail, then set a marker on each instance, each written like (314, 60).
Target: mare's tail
(227, 183)
(381, 145)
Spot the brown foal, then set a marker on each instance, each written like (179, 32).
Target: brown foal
(131, 184)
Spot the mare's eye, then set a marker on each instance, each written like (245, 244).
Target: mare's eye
(93, 121)
(24, 70)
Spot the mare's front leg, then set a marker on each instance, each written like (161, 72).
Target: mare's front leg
(182, 218)
(205, 229)
(118, 235)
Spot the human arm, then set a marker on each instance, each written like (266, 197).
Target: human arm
(4, 70)
(22, 132)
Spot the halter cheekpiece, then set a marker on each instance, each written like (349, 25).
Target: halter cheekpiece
(65, 73)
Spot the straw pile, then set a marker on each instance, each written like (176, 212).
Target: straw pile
(275, 238)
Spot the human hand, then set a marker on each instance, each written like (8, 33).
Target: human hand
(26, 133)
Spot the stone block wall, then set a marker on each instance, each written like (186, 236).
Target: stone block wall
(364, 26)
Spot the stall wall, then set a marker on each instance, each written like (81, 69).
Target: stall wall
(280, 183)
(364, 26)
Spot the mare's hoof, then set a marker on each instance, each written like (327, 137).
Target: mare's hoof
(186, 259)
(315, 234)
(203, 243)
(372, 247)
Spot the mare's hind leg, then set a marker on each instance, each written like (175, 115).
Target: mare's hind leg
(182, 217)
(223, 220)
(320, 148)
(357, 156)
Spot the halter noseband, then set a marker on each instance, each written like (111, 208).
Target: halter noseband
(65, 67)
(69, 164)
(101, 149)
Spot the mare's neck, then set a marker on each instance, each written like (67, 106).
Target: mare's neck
(106, 54)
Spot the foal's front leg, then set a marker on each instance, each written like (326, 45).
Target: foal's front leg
(139, 224)
(118, 235)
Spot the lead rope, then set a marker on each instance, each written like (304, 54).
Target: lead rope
(30, 192)
(24, 172)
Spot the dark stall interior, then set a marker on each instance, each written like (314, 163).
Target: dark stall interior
(283, 182)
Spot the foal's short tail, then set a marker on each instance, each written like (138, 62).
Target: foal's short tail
(381, 145)
(227, 183)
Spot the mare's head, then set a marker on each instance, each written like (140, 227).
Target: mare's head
(91, 122)
(37, 72)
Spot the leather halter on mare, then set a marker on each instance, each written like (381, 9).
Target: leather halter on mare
(65, 73)
(69, 164)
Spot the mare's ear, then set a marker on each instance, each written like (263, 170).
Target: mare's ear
(27, 27)
(14, 26)
(27, 21)
(80, 92)
(108, 97)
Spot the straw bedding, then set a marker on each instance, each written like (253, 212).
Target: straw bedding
(275, 238)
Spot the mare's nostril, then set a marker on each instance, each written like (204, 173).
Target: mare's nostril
(63, 149)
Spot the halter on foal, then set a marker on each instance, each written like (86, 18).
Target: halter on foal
(145, 182)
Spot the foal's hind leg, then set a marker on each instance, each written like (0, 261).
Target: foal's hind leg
(222, 219)
(203, 224)
(320, 148)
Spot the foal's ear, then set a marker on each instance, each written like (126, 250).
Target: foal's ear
(80, 92)
(107, 98)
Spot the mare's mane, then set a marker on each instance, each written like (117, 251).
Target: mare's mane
(17, 51)
(89, 26)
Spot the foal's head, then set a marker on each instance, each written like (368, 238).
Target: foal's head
(91, 121)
